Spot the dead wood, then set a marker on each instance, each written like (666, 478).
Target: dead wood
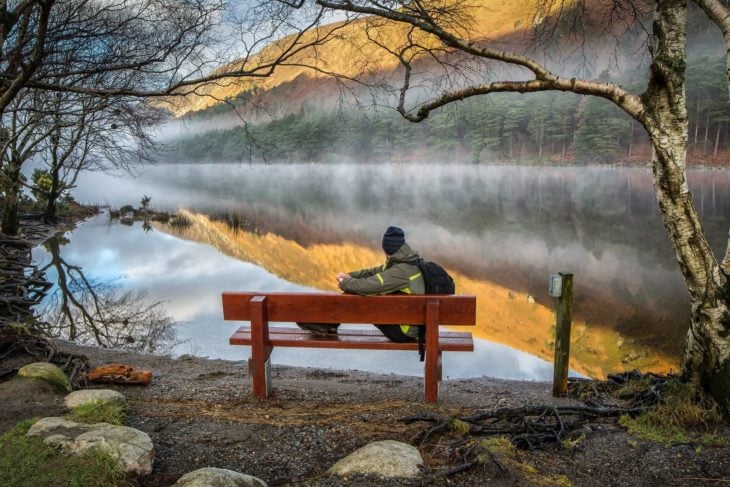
(119, 374)
(537, 427)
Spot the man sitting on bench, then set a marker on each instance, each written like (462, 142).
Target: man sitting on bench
(399, 274)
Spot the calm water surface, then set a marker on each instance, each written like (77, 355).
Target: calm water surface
(188, 278)
(509, 225)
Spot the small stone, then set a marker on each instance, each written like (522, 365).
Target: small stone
(103, 396)
(218, 477)
(386, 458)
(46, 372)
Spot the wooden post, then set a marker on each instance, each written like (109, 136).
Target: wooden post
(260, 363)
(564, 316)
(433, 355)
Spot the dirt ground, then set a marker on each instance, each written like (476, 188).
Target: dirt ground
(201, 413)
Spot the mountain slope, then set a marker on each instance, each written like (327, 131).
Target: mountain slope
(352, 48)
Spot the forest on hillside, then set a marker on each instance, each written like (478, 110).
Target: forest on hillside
(547, 127)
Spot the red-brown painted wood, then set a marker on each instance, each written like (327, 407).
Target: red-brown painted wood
(432, 351)
(353, 340)
(260, 346)
(349, 308)
(423, 310)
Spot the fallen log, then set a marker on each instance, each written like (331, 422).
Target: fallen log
(119, 374)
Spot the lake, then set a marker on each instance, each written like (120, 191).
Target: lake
(501, 230)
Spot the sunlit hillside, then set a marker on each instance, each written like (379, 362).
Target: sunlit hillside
(350, 49)
(503, 316)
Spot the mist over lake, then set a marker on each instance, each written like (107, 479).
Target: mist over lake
(507, 225)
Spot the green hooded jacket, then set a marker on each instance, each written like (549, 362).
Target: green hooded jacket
(399, 274)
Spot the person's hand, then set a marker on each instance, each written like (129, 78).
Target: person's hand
(343, 277)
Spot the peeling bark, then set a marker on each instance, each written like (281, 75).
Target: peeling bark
(707, 350)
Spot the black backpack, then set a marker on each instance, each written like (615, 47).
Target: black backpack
(437, 280)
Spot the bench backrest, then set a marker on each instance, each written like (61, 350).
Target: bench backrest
(349, 308)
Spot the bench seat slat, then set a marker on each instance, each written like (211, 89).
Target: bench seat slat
(350, 339)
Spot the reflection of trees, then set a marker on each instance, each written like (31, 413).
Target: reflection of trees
(97, 312)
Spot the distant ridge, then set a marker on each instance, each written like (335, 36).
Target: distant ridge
(350, 53)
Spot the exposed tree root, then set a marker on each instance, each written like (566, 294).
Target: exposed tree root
(23, 286)
(536, 427)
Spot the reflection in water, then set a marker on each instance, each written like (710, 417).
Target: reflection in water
(511, 226)
(189, 278)
(94, 311)
(504, 316)
(508, 225)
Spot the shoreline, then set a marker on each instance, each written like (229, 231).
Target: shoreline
(202, 413)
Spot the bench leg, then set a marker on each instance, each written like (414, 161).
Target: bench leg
(260, 363)
(433, 352)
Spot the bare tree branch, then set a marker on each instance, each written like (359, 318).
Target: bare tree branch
(719, 13)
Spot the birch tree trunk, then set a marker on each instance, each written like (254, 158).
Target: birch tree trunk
(707, 350)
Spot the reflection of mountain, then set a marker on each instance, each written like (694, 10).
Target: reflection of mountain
(503, 316)
(509, 225)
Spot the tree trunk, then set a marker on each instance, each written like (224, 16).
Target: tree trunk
(706, 359)
(717, 139)
(49, 215)
(11, 221)
(697, 122)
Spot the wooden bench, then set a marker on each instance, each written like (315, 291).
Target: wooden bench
(422, 310)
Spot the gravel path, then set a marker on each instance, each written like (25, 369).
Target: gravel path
(201, 413)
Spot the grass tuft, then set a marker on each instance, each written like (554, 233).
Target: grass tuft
(27, 462)
(98, 412)
(683, 416)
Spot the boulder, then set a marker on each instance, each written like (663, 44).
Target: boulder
(132, 448)
(103, 396)
(218, 477)
(384, 458)
(48, 373)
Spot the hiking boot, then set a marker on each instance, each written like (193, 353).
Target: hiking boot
(319, 329)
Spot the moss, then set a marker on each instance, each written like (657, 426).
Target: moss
(27, 462)
(572, 443)
(459, 426)
(48, 373)
(499, 445)
(499, 449)
(19, 329)
(98, 412)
